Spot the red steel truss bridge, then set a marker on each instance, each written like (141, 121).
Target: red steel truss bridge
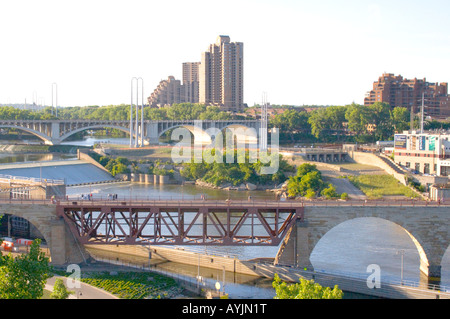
(180, 222)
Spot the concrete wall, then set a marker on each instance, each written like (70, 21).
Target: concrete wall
(82, 155)
(182, 256)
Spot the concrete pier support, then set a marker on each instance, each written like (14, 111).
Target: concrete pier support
(58, 242)
(295, 250)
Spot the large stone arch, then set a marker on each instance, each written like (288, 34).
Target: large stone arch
(47, 139)
(63, 247)
(368, 223)
(424, 225)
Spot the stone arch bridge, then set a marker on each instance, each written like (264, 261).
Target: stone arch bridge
(54, 132)
(294, 227)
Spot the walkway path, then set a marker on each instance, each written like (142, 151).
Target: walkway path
(82, 290)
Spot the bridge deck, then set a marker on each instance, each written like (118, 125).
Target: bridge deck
(179, 222)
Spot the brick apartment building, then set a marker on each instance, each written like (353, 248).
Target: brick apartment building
(398, 91)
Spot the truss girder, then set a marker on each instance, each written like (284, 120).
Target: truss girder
(179, 225)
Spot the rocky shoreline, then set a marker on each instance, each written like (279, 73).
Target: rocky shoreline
(278, 189)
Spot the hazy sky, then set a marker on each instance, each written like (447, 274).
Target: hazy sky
(320, 52)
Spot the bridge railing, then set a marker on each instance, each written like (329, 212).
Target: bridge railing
(178, 201)
(11, 178)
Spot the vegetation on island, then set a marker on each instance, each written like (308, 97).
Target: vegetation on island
(308, 182)
(241, 170)
(305, 289)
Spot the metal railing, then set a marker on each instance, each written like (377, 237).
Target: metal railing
(198, 200)
(10, 178)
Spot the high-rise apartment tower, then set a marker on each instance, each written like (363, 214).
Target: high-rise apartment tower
(190, 80)
(221, 75)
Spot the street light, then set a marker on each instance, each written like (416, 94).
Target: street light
(402, 253)
(54, 86)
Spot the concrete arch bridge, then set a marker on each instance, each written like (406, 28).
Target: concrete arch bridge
(53, 132)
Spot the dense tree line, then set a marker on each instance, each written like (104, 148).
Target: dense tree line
(352, 123)
(182, 111)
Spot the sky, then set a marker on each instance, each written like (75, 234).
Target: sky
(297, 52)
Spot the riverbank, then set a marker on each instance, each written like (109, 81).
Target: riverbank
(39, 148)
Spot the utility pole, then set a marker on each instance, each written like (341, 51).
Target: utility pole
(263, 129)
(421, 113)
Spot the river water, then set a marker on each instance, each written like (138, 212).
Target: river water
(347, 249)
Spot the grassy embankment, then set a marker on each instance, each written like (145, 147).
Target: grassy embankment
(131, 285)
(378, 186)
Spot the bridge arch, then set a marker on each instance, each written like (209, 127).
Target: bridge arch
(92, 127)
(200, 135)
(383, 247)
(42, 136)
(242, 133)
(62, 246)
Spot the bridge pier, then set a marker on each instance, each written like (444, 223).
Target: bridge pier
(295, 250)
(152, 135)
(430, 274)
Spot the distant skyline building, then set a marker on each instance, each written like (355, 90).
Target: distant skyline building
(167, 92)
(221, 75)
(407, 93)
(217, 80)
(191, 81)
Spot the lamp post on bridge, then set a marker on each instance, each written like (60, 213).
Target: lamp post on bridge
(55, 94)
(402, 253)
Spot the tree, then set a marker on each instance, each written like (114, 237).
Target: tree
(330, 192)
(308, 182)
(381, 119)
(400, 119)
(291, 122)
(24, 277)
(59, 290)
(306, 289)
(327, 121)
(358, 119)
